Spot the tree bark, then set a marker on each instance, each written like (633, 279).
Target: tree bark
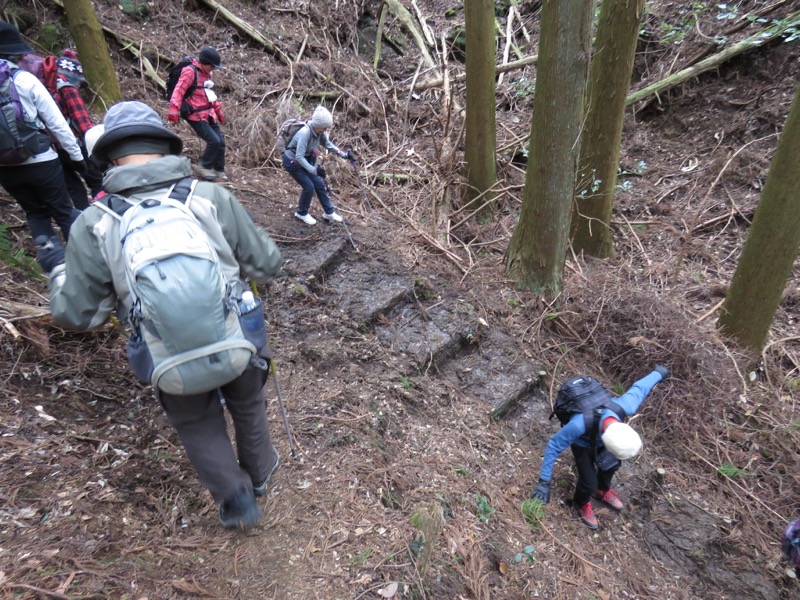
(536, 253)
(771, 247)
(480, 143)
(612, 65)
(92, 48)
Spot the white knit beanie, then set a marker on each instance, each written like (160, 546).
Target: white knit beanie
(322, 118)
(621, 440)
(91, 137)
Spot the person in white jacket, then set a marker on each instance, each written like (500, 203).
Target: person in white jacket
(37, 183)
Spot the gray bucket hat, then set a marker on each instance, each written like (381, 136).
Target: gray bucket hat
(132, 119)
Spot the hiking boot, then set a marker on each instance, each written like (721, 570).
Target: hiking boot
(610, 498)
(240, 512)
(307, 219)
(261, 488)
(207, 174)
(222, 176)
(334, 217)
(586, 514)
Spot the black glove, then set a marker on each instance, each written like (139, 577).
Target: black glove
(321, 171)
(542, 491)
(49, 252)
(662, 370)
(349, 155)
(80, 167)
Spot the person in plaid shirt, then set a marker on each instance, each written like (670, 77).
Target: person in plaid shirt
(65, 88)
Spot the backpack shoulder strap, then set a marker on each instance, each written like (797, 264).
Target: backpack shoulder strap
(114, 204)
(183, 190)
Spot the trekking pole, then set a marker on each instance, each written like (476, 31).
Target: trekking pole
(361, 183)
(346, 228)
(274, 371)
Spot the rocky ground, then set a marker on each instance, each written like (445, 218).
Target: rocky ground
(417, 380)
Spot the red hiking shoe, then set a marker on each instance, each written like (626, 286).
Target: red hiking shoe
(610, 498)
(586, 513)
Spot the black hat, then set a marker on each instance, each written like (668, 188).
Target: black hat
(11, 42)
(132, 119)
(210, 56)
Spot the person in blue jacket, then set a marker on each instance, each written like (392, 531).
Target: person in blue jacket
(596, 466)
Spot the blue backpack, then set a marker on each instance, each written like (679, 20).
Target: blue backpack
(19, 140)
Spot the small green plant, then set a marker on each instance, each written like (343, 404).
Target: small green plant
(484, 510)
(461, 471)
(527, 554)
(17, 258)
(513, 302)
(404, 381)
(728, 470)
(533, 511)
(359, 559)
(523, 88)
(618, 389)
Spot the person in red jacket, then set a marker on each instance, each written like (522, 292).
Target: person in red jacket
(202, 111)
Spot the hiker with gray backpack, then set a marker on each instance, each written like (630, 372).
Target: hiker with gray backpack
(30, 169)
(171, 255)
(593, 427)
(298, 143)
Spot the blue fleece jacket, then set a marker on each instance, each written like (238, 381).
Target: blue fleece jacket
(574, 432)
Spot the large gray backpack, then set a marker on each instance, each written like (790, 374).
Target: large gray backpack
(185, 331)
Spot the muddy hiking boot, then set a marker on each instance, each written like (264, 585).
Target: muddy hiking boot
(586, 514)
(240, 512)
(611, 499)
(207, 174)
(261, 489)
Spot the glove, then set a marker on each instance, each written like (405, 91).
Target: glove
(321, 171)
(49, 252)
(663, 371)
(80, 167)
(173, 114)
(350, 156)
(217, 106)
(542, 491)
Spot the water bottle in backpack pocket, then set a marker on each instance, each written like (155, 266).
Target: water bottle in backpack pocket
(251, 319)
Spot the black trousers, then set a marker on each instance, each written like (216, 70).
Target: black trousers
(75, 186)
(200, 422)
(590, 476)
(40, 190)
(214, 154)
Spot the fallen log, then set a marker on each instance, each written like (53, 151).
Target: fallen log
(755, 41)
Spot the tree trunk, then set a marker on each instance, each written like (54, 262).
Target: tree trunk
(480, 143)
(771, 247)
(612, 65)
(93, 51)
(536, 253)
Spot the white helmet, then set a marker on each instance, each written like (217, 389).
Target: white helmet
(621, 440)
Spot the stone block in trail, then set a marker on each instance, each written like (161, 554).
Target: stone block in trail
(366, 289)
(314, 260)
(495, 372)
(427, 337)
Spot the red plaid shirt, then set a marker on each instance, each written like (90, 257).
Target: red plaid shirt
(74, 110)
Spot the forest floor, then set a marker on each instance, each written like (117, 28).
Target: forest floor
(417, 380)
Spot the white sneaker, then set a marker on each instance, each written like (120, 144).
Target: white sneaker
(334, 217)
(307, 219)
(207, 174)
(221, 175)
